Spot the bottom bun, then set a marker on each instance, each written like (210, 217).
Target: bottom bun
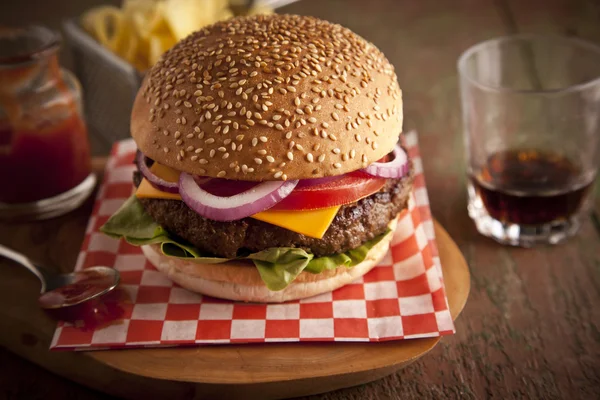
(240, 280)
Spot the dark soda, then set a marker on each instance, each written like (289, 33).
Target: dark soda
(530, 187)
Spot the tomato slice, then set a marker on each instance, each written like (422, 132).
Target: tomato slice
(336, 192)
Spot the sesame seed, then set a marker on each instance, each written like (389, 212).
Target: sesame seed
(263, 139)
(221, 174)
(309, 157)
(203, 161)
(165, 150)
(270, 159)
(352, 153)
(288, 135)
(290, 156)
(336, 151)
(357, 137)
(299, 147)
(277, 174)
(337, 165)
(321, 158)
(258, 161)
(254, 142)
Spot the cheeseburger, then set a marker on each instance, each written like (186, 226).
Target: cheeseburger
(269, 164)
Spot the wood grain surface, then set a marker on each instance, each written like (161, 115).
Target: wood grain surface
(531, 328)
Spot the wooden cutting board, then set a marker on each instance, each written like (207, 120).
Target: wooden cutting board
(228, 371)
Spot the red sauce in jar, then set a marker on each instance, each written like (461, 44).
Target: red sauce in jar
(44, 148)
(43, 163)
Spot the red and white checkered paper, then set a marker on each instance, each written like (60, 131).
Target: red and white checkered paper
(402, 298)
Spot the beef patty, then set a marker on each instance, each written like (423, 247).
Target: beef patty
(353, 225)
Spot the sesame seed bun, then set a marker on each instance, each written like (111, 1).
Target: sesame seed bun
(268, 98)
(240, 281)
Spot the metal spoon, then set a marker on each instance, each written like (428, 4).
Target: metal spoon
(104, 279)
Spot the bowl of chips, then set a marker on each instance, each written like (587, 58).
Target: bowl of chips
(112, 47)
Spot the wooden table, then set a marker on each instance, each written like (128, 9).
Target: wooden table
(530, 329)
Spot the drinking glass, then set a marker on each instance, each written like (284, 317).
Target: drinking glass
(531, 120)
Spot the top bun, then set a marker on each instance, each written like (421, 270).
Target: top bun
(269, 98)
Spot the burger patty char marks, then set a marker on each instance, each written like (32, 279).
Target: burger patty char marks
(353, 225)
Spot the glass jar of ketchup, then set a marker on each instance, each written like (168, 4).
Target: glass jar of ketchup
(45, 165)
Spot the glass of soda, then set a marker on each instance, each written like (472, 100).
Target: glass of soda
(531, 120)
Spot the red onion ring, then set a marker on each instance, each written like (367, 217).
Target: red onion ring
(158, 183)
(259, 198)
(396, 168)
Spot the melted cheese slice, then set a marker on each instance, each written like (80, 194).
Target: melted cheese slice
(313, 223)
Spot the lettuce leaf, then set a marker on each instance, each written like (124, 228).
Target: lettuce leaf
(277, 266)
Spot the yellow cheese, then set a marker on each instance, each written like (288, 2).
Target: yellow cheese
(313, 223)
